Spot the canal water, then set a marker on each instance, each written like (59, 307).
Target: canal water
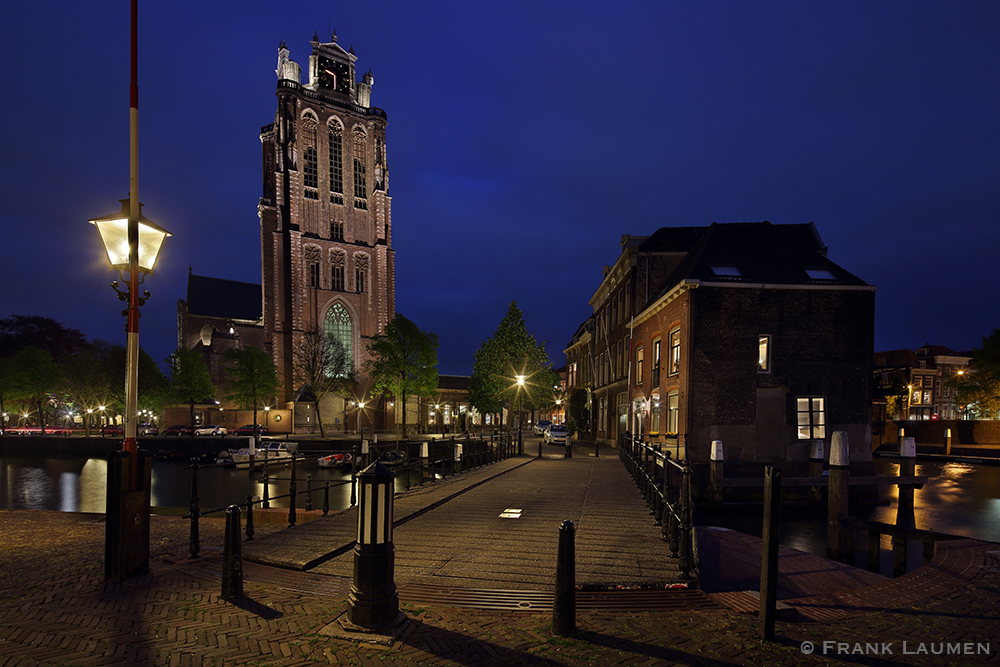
(959, 498)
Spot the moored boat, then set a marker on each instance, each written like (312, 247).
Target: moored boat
(275, 453)
(341, 460)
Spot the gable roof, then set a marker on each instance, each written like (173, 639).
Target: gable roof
(229, 299)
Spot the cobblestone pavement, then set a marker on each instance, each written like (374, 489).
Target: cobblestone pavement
(55, 609)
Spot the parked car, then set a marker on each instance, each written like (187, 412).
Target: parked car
(210, 429)
(112, 430)
(179, 429)
(148, 429)
(248, 429)
(556, 434)
(541, 425)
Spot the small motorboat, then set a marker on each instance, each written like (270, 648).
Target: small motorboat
(341, 460)
(392, 458)
(275, 453)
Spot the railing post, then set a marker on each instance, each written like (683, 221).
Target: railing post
(292, 495)
(194, 541)
(769, 553)
(250, 530)
(309, 492)
(232, 557)
(684, 525)
(904, 504)
(265, 501)
(326, 498)
(564, 604)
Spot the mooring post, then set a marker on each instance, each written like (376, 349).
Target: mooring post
(717, 473)
(564, 605)
(309, 492)
(838, 535)
(816, 457)
(194, 541)
(904, 505)
(291, 495)
(232, 557)
(769, 552)
(250, 528)
(947, 442)
(265, 501)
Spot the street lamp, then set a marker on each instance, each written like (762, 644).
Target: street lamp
(520, 386)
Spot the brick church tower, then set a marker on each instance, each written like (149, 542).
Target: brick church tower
(325, 213)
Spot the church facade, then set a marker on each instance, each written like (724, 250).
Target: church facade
(325, 212)
(327, 263)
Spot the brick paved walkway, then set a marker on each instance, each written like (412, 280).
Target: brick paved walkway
(56, 610)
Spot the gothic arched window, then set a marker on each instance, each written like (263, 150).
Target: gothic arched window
(361, 274)
(338, 330)
(360, 171)
(336, 164)
(312, 266)
(310, 174)
(337, 262)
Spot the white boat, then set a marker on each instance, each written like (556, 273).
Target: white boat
(342, 460)
(274, 453)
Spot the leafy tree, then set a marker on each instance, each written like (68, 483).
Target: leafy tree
(576, 408)
(36, 374)
(10, 389)
(979, 388)
(321, 363)
(85, 383)
(512, 351)
(154, 387)
(21, 331)
(190, 380)
(253, 379)
(403, 362)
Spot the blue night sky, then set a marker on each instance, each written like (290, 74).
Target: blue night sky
(524, 139)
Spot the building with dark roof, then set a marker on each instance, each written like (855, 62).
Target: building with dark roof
(912, 385)
(742, 332)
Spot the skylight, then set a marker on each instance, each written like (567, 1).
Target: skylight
(729, 271)
(820, 274)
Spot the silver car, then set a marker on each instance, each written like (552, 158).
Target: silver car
(210, 429)
(556, 434)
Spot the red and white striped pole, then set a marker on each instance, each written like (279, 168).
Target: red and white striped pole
(132, 346)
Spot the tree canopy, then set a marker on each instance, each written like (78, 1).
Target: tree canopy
(403, 362)
(512, 351)
(20, 331)
(190, 380)
(253, 379)
(979, 389)
(321, 363)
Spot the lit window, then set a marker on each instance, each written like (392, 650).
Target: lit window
(811, 417)
(655, 367)
(764, 354)
(339, 331)
(654, 416)
(638, 366)
(675, 352)
(673, 412)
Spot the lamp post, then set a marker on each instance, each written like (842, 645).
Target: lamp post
(132, 243)
(520, 386)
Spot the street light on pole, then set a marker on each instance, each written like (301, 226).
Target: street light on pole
(132, 243)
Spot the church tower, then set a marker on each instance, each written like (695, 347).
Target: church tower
(325, 213)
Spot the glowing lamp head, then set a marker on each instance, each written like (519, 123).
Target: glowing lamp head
(114, 235)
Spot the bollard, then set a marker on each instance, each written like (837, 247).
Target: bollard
(326, 498)
(597, 449)
(947, 442)
(232, 557)
(194, 545)
(292, 495)
(309, 492)
(816, 456)
(717, 474)
(769, 552)
(250, 530)
(564, 604)
(569, 447)
(540, 448)
(459, 453)
(838, 536)
(373, 601)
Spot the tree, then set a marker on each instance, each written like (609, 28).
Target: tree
(499, 360)
(154, 387)
(253, 379)
(576, 408)
(321, 363)
(36, 374)
(403, 362)
(9, 389)
(979, 387)
(86, 385)
(190, 381)
(20, 331)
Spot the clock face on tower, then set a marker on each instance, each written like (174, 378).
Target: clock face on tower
(333, 75)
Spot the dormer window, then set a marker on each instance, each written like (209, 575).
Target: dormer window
(726, 271)
(820, 274)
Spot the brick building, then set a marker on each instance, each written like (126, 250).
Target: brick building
(745, 333)
(325, 221)
(913, 384)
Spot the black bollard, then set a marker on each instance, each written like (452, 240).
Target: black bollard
(326, 498)
(265, 502)
(769, 552)
(194, 542)
(564, 604)
(232, 557)
(250, 530)
(309, 493)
